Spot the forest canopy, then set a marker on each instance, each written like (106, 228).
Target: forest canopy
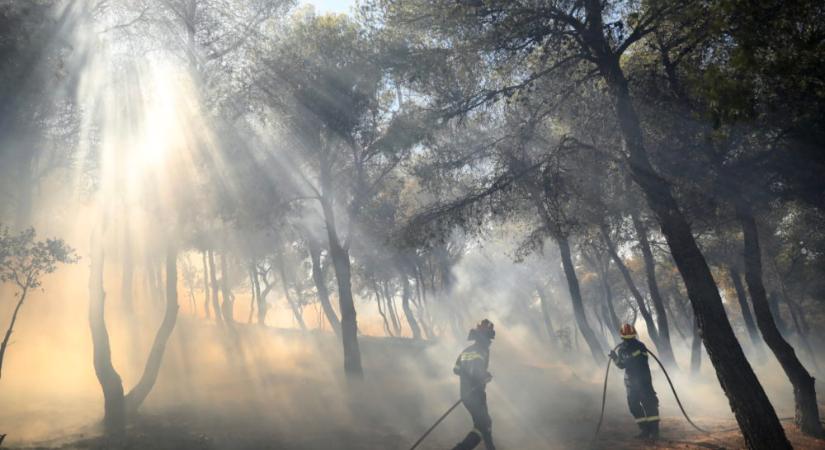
(261, 213)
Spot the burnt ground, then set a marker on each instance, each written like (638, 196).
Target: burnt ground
(158, 432)
(286, 392)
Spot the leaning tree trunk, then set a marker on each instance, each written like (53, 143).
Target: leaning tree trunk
(628, 279)
(773, 300)
(381, 312)
(321, 285)
(575, 296)
(753, 410)
(664, 346)
(807, 413)
(736, 278)
(390, 299)
(114, 404)
(405, 303)
(800, 324)
(343, 275)
(150, 373)
(7, 336)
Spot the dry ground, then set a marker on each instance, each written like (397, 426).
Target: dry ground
(285, 391)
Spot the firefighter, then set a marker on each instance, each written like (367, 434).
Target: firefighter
(471, 366)
(631, 355)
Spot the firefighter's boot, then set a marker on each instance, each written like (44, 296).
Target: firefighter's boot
(653, 430)
(645, 430)
(470, 442)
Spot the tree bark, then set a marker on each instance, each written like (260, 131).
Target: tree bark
(114, 405)
(753, 411)
(349, 323)
(578, 305)
(664, 346)
(773, 299)
(807, 412)
(150, 373)
(321, 285)
(742, 297)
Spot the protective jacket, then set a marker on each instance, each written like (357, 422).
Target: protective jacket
(631, 355)
(471, 366)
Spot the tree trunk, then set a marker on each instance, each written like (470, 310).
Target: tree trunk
(150, 373)
(743, 305)
(114, 405)
(405, 303)
(390, 299)
(228, 305)
(628, 279)
(773, 298)
(807, 413)
(213, 278)
(575, 296)
(5, 343)
(297, 312)
(696, 350)
(381, 312)
(256, 290)
(801, 326)
(206, 287)
(263, 305)
(421, 292)
(321, 284)
(663, 344)
(349, 323)
(603, 268)
(753, 410)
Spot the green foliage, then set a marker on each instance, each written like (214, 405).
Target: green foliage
(24, 259)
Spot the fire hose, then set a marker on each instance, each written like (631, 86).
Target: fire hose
(672, 388)
(441, 419)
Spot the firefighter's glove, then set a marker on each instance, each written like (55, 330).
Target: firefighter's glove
(612, 355)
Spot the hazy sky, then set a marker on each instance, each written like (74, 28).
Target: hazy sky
(323, 6)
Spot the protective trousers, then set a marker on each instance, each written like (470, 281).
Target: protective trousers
(644, 405)
(476, 404)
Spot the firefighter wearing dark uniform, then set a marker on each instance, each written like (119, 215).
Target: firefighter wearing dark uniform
(631, 355)
(471, 366)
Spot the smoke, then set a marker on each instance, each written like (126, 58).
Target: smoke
(278, 387)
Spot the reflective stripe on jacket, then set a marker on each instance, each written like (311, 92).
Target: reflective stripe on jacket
(471, 365)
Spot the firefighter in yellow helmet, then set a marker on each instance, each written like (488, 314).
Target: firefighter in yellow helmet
(631, 355)
(471, 366)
